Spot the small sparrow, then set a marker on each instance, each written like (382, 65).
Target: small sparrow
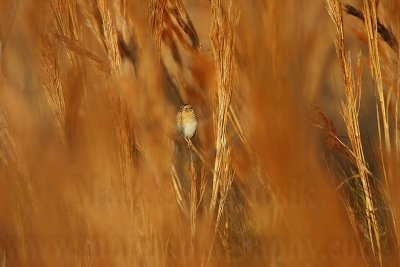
(186, 121)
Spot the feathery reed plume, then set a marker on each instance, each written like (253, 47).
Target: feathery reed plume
(110, 36)
(371, 25)
(156, 19)
(350, 111)
(52, 83)
(67, 24)
(225, 18)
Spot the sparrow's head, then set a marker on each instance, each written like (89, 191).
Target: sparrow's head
(186, 108)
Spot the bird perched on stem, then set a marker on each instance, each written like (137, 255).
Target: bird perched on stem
(186, 122)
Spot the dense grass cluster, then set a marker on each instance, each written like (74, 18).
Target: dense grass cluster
(296, 157)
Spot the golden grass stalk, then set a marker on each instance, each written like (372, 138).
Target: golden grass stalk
(371, 25)
(374, 28)
(350, 111)
(123, 124)
(177, 188)
(224, 185)
(67, 24)
(53, 85)
(1, 54)
(224, 21)
(396, 113)
(193, 203)
(110, 38)
(156, 19)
